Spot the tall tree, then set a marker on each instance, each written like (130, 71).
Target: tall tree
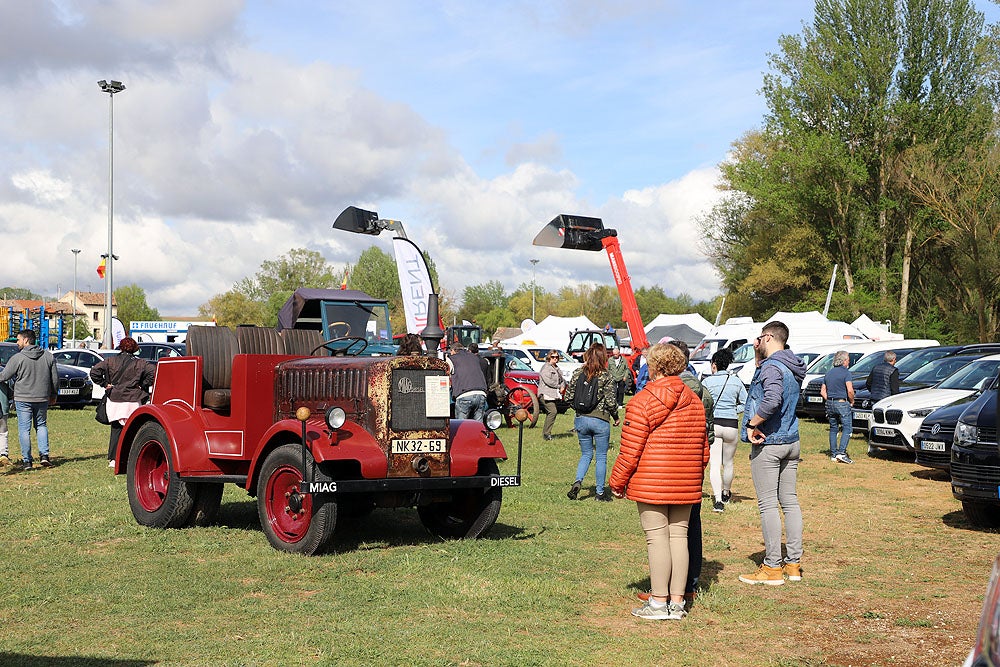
(234, 308)
(132, 306)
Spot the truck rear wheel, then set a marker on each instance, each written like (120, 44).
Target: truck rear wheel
(469, 514)
(982, 515)
(207, 500)
(157, 496)
(293, 522)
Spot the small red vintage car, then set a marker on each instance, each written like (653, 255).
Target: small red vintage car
(312, 429)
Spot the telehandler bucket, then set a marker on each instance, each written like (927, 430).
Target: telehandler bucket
(574, 232)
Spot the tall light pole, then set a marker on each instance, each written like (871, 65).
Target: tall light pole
(110, 87)
(533, 263)
(76, 258)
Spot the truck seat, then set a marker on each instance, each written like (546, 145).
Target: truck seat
(259, 340)
(216, 346)
(302, 342)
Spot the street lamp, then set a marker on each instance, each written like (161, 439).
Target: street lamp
(110, 87)
(533, 262)
(76, 258)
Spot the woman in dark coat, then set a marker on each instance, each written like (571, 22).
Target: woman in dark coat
(126, 379)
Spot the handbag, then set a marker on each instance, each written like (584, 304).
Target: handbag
(102, 411)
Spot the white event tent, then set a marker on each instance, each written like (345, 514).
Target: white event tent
(552, 332)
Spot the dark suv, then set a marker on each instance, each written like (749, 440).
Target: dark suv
(75, 387)
(156, 351)
(975, 461)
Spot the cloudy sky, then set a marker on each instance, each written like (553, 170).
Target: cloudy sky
(247, 126)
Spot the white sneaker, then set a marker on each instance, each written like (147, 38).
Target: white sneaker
(653, 613)
(111, 464)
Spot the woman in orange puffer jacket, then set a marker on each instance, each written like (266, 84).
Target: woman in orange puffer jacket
(661, 467)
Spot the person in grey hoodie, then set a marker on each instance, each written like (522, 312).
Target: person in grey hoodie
(36, 386)
(770, 426)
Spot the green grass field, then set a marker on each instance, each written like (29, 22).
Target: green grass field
(893, 575)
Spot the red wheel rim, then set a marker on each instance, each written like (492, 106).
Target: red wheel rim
(288, 521)
(152, 475)
(520, 398)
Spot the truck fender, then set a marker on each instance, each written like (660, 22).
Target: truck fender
(179, 423)
(350, 442)
(471, 442)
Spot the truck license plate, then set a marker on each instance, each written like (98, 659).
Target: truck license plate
(932, 446)
(69, 392)
(885, 432)
(814, 399)
(424, 446)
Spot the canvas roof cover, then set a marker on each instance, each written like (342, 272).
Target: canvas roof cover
(304, 302)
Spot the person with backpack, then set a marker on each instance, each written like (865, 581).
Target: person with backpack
(591, 394)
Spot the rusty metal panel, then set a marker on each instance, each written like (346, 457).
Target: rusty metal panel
(363, 388)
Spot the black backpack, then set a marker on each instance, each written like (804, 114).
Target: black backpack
(586, 394)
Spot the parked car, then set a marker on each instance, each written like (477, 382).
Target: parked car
(856, 350)
(75, 388)
(156, 351)
(84, 359)
(922, 378)
(932, 443)
(812, 403)
(897, 418)
(975, 462)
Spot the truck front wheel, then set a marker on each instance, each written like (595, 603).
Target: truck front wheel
(293, 521)
(470, 513)
(157, 496)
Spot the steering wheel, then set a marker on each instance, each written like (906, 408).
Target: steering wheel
(347, 350)
(338, 334)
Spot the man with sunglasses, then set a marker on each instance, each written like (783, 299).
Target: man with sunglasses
(770, 426)
(550, 389)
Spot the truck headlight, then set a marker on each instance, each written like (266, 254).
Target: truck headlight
(965, 434)
(335, 417)
(920, 412)
(493, 419)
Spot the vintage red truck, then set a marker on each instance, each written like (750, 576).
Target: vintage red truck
(314, 429)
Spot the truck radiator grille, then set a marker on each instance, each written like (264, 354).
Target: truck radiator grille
(408, 401)
(306, 385)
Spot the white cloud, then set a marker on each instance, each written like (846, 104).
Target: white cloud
(227, 155)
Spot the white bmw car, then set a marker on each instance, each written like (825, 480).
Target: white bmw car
(897, 418)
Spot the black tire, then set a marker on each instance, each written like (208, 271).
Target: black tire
(982, 515)
(469, 514)
(207, 501)
(301, 524)
(157, 496)
(873, 451)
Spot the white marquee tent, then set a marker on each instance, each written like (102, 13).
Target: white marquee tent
(552, 332)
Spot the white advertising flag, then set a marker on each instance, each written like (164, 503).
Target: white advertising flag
(414, 283)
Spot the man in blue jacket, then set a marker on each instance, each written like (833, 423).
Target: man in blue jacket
(772, 429)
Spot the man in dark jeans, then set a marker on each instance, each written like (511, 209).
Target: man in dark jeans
(838, 390)
(883, 381)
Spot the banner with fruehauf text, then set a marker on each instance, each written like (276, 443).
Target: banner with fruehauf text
(414, 283)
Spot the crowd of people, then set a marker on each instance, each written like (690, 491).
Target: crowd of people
(674, 428)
